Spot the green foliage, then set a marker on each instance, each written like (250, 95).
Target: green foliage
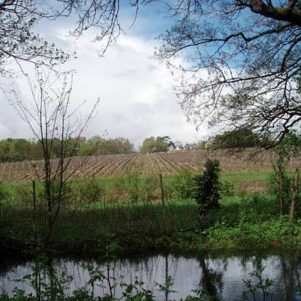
(12, 150)
(23, 196)
(238, 138)
(132, 182)
(3, 193)
(167, 286)
(125, 189)
(281, 180)
(290, 145)
(47, 283)
(227, 188)
(136, 292)
(281, 183)
(89, 192)
(150, 189)
(184, 183)
(99, 146)
(207, 192)
(257, 283)
(153, 145)
(202, 144)
(19, 150)
(131, 228)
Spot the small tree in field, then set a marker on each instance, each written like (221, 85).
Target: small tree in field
(52, 122)
(284, 184)
(208, 189)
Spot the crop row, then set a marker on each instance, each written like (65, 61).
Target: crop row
(155, 163)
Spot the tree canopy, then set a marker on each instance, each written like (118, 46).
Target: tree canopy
(20, 41)
(241, 58)
(239, 138)
(243, 62)
(100, 146)
(12, 150)
(154, 145)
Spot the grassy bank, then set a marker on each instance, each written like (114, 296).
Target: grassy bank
(133, 188)
(125, 215)
(125, 229)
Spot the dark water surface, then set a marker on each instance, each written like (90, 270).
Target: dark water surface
(274, 277)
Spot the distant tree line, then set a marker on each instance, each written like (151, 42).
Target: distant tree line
(237, 138)
(13, 150)
(154, 145)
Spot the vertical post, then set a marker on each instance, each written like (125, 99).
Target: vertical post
(34, 211)
(162, 190)
(1, 199)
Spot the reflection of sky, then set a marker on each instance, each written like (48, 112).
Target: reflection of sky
(186, 273)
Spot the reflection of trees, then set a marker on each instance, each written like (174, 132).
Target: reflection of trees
(60, 277)
(48, 280)
(283, 283)
(52, 278)
(211, 282)
(290, 276)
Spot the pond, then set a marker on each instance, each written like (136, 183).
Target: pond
(273, 277)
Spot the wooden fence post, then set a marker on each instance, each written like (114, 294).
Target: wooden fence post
(162, 191)
(34, 211)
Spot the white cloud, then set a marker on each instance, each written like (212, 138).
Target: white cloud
(137, 99)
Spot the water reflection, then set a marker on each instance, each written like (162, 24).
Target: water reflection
(165, 277)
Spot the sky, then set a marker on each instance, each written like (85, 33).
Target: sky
(137, 98)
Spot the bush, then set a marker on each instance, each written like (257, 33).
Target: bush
(227, 189)
(207, 189)
(24, 197)
(150, 189)
(281, 183)
(132, 182)
(90, 192)
(4, 194)
(184, 184)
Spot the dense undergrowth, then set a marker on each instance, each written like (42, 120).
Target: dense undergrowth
(251, 222)
(124, 216)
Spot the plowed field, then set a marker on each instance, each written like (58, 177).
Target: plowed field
(155, 163)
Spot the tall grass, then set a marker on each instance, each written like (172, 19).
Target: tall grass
(128, 217)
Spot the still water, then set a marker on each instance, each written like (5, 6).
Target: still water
(170, 277)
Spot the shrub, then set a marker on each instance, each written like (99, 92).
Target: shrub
(281, 183)
(91, 192)
(23, 196)
(227, 189)
(4, 194)
(150, 189)
(207, 189)
(184, 183)
(132, 182)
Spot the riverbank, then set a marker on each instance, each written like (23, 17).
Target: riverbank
(241, 223)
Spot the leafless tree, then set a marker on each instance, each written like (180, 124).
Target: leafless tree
(242, 62)
(241, 57)
(52, 120)
(20, 41)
